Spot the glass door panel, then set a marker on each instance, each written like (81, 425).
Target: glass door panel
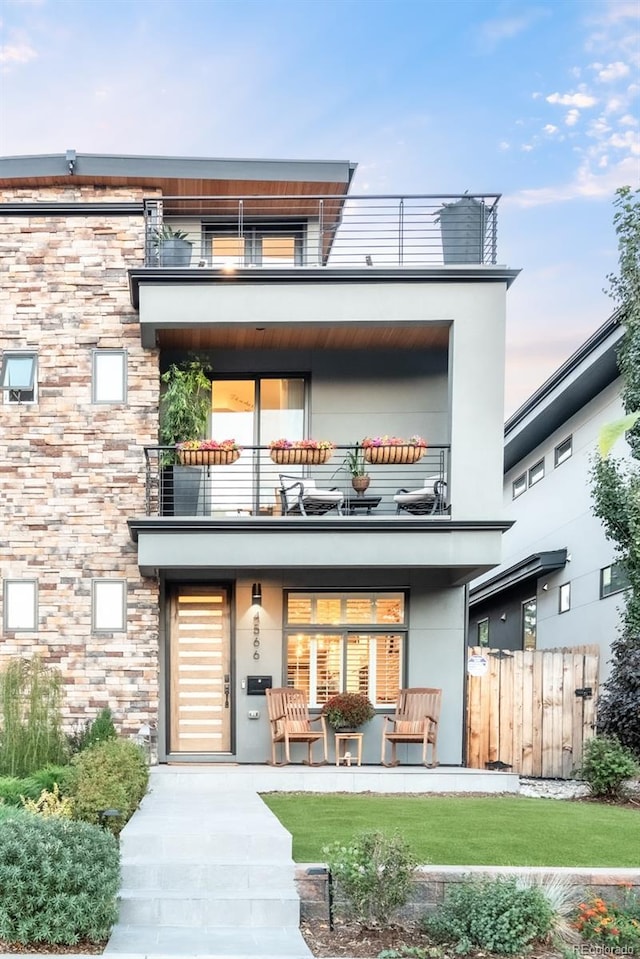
(281, 416)
(233, 416)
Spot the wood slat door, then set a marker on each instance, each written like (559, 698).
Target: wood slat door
(199, 669)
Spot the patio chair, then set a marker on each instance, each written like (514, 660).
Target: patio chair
(301, 496)
(430, 498)
(415, 721)
(289, 722)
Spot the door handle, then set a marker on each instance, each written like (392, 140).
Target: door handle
(226, 690)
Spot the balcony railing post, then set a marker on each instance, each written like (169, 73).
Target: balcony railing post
(401, 233)
(320, 231)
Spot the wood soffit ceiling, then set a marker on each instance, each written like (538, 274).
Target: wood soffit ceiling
(375, 337)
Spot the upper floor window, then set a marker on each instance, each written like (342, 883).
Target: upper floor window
(563, 451)
(266, 244)
(20, 604)
(564, 598)
(519, 485)
(536, 472)
(109, 376)
(613, 579)
(529, 623)
(108, 605)
(18, 376)
(482, 632)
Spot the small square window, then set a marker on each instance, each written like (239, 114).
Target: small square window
(20, 605)
(564, 598)
(108, 605)
(109, 376)
(613, 579)
(536, 472)
(519, 485)
(18, 377)
(563, 451)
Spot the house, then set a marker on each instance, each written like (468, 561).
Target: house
(317, 314)
(558, 584)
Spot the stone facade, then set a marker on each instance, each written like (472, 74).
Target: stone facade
(72, 472)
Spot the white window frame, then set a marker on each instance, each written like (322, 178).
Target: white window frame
(519, 485)
(564, 597)
(563, 452)
(24, 593)
(20, 395)
(536, 472)
(108, 605)
(98, 391)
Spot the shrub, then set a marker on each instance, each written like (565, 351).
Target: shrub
(13, 790)
(58, 880)
(374, 874)
(606, 765)
(492, 914)
(94, 731)
(50, 804)
(110, 775)
(611, 924)
(30, 717)
(348, 710)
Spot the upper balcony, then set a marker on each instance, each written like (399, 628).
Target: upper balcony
(231, 232)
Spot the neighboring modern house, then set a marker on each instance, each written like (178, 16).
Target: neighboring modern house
(318, 314)
(558, 584)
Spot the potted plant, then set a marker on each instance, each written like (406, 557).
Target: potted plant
(393, 449)
(354, 464)
(208, 452)
(184, 414)
(173, 248)
(348, 711)
(295, 452)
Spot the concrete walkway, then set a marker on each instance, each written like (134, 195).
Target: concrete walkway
(206, 871)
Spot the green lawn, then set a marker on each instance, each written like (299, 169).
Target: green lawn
(456, 830)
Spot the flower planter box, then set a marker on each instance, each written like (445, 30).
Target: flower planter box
(208, 457)
(300, 456)
(394, 454)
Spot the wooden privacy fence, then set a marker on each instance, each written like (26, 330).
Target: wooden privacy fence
(531, 710)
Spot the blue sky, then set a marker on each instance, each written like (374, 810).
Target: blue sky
(534, 100)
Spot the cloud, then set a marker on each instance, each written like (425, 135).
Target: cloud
(628, 120)
(572, 118)
(504, 145)
(493, 32)
(586, 185)
(550, 129)
(580, 100)
(613, 71)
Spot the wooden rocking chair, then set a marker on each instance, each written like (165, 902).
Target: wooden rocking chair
(290, 722)
(415, 721)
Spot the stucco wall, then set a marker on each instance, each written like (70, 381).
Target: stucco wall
(71, 471)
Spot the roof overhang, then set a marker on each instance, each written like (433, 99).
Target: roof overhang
(532, 567)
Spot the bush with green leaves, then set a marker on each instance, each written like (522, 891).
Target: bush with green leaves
(109, 775)
(94, 731)
(58, 880)
(606, 766)
(13, 789)
(499, 915)
(30, 717)
(373, 873)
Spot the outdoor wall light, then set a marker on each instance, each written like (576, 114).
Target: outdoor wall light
(503, 618)
(256, 594)
(546, 587)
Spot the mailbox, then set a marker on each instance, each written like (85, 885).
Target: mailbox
(256, 685)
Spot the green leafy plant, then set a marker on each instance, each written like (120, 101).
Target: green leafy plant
(496, 914)
(373, 873)
(94, 731)
(606, 767)
(109, 775)
(348, 710)
(184, 403)
(412, 952)
(164, 233)
(30, 717)
(13, 790)
(612, 924)
(50, 803)
(58, 880)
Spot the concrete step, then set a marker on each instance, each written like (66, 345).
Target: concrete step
(161, 845)
(189, 876)
(270, 907)
(224, 942)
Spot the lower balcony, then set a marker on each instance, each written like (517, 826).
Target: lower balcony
(257, 481)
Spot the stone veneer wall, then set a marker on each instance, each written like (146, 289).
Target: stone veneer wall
(72, 472)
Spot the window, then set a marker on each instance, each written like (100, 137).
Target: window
(18, 377)
(613, 579)
(563, 451)
(20, 605)
(351, 647)
(564, 598)
(519, 485)
(109, 376)
(482, 638)
(529, 623)
(265, 244)
(108, 605)
(536, 472)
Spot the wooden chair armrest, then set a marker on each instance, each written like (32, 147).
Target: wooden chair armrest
(389, 719)
(431, 719)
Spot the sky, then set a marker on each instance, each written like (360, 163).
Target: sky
(535, 100)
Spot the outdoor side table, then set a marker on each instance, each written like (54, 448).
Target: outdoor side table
(344, 756)
(361, 504)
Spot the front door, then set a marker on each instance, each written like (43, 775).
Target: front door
(199, 670)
